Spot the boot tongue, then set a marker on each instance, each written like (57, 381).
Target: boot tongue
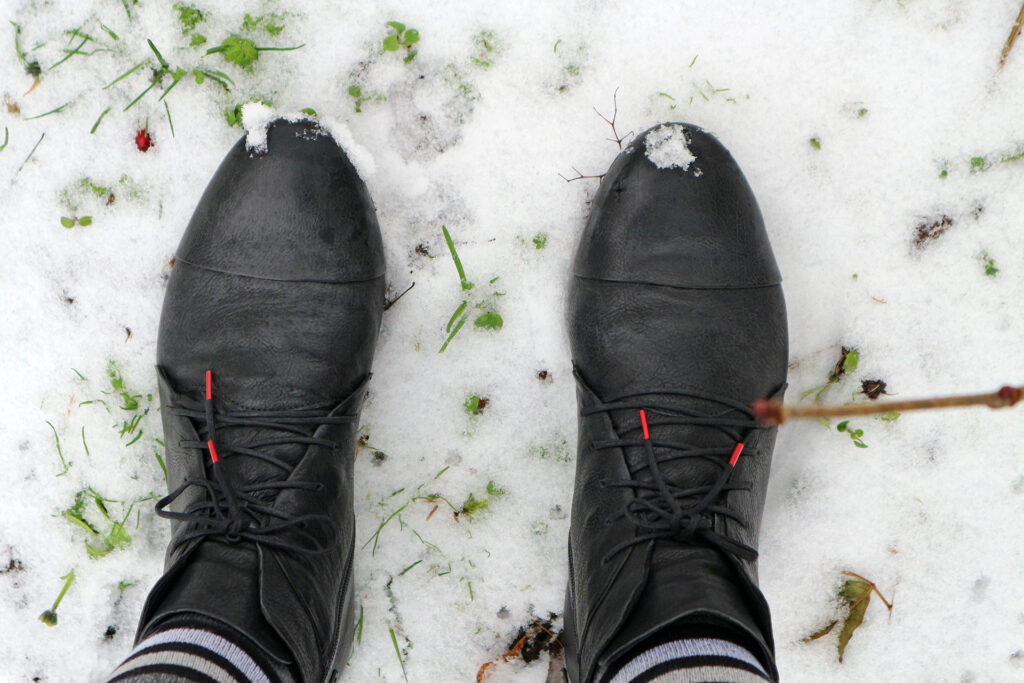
(675, 467)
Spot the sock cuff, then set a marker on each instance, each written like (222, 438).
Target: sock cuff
(204, 654)
(702, 657)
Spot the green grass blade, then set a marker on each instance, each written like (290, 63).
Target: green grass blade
(127, 73)
(97, 124)
(394, 641)
(52, 111)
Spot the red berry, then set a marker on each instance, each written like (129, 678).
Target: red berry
(143, 141)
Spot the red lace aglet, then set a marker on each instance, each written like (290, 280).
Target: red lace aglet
(736, 454)
(643, 423)
(213, 451)
(209, 385)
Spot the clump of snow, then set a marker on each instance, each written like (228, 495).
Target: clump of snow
(668, 147)
(256, 119)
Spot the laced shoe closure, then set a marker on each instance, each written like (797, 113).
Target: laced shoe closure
(233, 512)
(666, 510)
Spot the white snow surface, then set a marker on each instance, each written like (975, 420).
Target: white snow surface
(914, 121)
(667, 147)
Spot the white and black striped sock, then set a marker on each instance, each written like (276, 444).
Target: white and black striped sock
(693, 660)
(196, 649)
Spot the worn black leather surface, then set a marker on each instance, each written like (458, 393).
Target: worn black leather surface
(278, 289)
(675, 289)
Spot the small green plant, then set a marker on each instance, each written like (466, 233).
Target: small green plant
(474, 405)
(816, 143)
(540, 240)
(855, 434)
(980, 164)
(69, 222)
(7, 138)
(484, 43)
(49, 617)
(271, 23)
(243, 52)
(188, 16)
(402, 37)
(890, 417)
(356, 93)
(988, 263)
(493, 490)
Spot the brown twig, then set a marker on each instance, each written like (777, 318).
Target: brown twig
(392, 302)
(611, 122)
(775, 412)
(1014, 33)
(580, 176)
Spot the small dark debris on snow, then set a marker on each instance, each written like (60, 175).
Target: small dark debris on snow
(931, 229)
(978, 209)
(536, 638)
(484, 402)
(127, 333)
(379, 457)
(543, 375)
(13, 566)
(503, 613)
(422, 250)
(873, 388)
(68, 299)
(840, 367)
(174, 259)
(110, 632)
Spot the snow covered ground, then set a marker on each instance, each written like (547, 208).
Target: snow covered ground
(879, 136)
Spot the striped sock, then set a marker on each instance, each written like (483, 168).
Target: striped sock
(695, 660)
(690, 652)
(196, 649)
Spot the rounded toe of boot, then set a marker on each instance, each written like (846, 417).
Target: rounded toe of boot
(298, 211)
(675, 209)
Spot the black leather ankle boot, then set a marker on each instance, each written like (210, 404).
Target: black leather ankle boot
(677, 323)
(265, 345)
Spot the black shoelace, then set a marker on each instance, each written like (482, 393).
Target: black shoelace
(230, 513)
(665, 510)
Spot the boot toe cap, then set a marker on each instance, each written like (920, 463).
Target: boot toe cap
(298, 211)
(675, 209)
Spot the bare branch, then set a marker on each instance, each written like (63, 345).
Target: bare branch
(580, 176)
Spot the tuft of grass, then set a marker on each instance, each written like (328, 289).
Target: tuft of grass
(472, 506)
(7, 138)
